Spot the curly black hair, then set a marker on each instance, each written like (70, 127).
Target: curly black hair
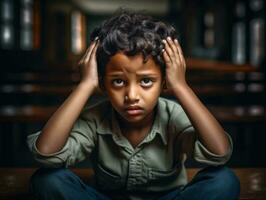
(131, 33)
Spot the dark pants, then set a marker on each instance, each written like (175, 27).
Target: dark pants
(211, 183)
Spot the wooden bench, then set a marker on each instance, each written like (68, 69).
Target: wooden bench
(14, 182)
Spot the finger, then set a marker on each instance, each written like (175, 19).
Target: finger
(178, 59)
(85, 54)
(88, 52)
(172, 46)
(168, 50)
(93, 53)
(180, 53)
(87, 58)
(166, 58)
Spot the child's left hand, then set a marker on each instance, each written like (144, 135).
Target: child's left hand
(175, 64)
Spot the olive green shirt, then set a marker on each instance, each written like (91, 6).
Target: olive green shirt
(147, 171)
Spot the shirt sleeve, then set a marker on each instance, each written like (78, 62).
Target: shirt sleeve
(78, 146)
(194, 148)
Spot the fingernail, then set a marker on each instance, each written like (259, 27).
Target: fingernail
(176, 41)
(164, 41)
(95, 39)
(168, 38)
(163, 50)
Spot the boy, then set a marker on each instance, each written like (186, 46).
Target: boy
(137, 142)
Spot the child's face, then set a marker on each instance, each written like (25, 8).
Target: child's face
(133, 87)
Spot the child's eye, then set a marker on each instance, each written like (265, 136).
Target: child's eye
(118, 82)
(146, 82)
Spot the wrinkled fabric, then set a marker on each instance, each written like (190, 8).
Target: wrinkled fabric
(153, 168)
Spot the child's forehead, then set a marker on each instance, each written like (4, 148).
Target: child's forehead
(121, 62)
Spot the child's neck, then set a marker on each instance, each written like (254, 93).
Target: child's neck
(136, 132)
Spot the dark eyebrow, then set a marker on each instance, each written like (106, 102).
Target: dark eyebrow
(144, 74)
(115, 74)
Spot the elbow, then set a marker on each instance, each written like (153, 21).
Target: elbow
(222, 150)
(225, 149)
(44, 149)
(219, 149)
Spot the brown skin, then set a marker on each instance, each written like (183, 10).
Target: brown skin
(210, 132)
(56, 131)
(129, 76)
(141, 83)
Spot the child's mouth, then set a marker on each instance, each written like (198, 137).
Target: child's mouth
(134, 112)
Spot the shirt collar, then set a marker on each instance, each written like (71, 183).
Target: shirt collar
(160, 124)
(110, 125)
(105, 126)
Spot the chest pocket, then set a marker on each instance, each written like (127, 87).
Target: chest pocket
(162, 176)
(107, 180)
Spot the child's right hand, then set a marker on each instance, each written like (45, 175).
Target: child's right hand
(88, 66)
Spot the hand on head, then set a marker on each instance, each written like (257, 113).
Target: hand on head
(88, 65)
(175, 63)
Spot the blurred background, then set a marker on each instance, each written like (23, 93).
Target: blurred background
(41, 42)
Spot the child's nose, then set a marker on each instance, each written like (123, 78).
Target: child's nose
(132, 93)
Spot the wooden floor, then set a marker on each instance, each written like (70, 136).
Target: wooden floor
(14, 182)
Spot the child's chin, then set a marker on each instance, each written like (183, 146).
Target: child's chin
(133, 119)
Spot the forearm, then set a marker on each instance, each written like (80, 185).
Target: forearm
(210, 132)
(56, 131)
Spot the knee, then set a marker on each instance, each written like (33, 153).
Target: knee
(226, 182)
(47, 180)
